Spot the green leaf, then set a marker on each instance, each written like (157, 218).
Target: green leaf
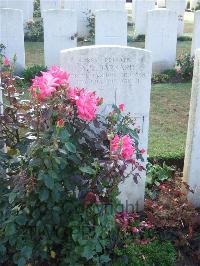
(21, 262)
(49, 182)
(10, 229)
(87, 170)
(44, 195)
(21, 219)
(64, 135)
(27, 252)
(104, 259)
(70, 147)
(12, 197)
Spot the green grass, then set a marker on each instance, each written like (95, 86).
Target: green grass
(168, 119)
(34, 53)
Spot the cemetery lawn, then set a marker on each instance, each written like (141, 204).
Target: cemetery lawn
(168, 120)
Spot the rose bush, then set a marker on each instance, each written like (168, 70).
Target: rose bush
(65, 159)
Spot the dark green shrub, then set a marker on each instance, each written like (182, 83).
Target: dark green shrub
(170, 72)
(65, 176)
(185, 65)
(129, 39)
(34, 31)
(155, 253)
(156, 175)
(140, 38)
(184, 38)
(159, 78)
(91, 26)
(30, 72)
(197, 6)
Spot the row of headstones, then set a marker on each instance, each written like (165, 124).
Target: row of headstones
(123, 75)
(60, 27)
(83, 9)
(140, 9)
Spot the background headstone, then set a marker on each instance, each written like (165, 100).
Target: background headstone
(49, 4)
(141, 8)
(161, 38)
(179, 7)
(12, 35)
(196, 33)
(86, 8)
(192, 156)
(119, 75)
(161, 3)
(60, 29)
(111, 27)
(25, 5)
(193, 3)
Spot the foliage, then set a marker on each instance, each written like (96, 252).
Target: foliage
(185, 65)
(156, 175)
(159, 78)
(139, 38)
(34, 31)
(91, 26)
(30, 72)
(184, 38)
(129, 39)
(66, 161)
(197, 6)
(170, 72)
(133, 228)
(155, 253)
(36, 12)
(171, 210)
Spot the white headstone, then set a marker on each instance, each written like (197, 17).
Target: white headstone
(111, 27)
(49, 4)
(86, 8)
(12, 35)
(161, 38)
(196, 33)
(120, 75)
(60, 30)
(161, 3)
(192, 156)
(193, 3)
(25, 5)
(141, 8)
(179, 7)
(133, 11)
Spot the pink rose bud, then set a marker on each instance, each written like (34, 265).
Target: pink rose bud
(60, 123)
(6, 62)
(135, 230)
(121, 107)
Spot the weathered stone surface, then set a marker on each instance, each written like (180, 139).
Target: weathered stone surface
(119, 75)
(12, 35)
(111, 27)
(49, 4)
(141, 8)
(196, 33)
(25, 5)
(161, 3)
(86, 8)
(60, 28)
(179, 7)
(192, 155)
(161, 38)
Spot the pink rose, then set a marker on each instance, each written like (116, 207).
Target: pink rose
(121, 107)
(6, 61)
